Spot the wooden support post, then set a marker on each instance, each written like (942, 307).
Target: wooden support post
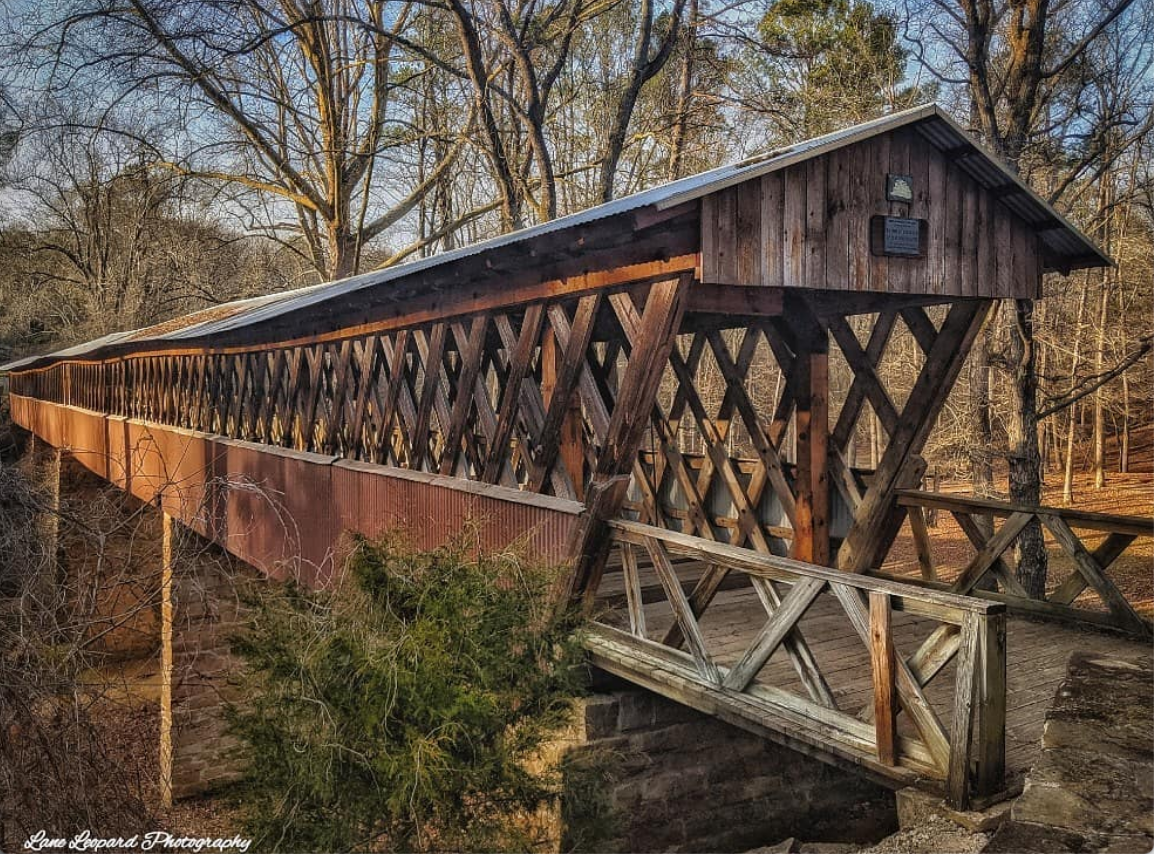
(819, 452)
(572, 442)
(166, 755)
(811, 533)
(991, 679)
(961, 737)
(882, 659)
(802, 547)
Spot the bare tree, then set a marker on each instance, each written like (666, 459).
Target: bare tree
(109, 243)
(1013, 60)
(297, 107)
(514, 56)
(58, 764)
(9, 131)
(645, 61)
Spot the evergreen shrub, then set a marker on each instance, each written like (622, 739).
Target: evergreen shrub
(406, 709)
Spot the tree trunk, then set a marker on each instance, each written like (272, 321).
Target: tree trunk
(1025, 468)
(615, 142)
(642, 68)
(494, 146)
(1043, 363)
(1071, 422)
(1099, 394)
(1124, 453)
(981, 436)
(1068, 462)
(684, 97)
(342, 251)
(875, 441)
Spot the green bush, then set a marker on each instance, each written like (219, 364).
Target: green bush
(406, 709)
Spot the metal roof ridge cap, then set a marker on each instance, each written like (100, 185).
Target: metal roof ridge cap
(1022, 184)
(804, 150)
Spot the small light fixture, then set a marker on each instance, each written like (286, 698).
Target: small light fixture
(899, 188)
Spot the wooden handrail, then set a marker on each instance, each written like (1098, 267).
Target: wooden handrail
(909, 597)
(1137, 525)
(992, 549)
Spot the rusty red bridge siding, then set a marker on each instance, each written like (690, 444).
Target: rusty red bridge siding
(300, 504)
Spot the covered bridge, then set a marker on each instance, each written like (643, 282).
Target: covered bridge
(641, 392)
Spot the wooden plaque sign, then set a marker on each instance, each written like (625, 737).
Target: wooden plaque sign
(898, 236)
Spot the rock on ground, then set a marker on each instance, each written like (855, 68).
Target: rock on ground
(1092, 789)
(933, 836)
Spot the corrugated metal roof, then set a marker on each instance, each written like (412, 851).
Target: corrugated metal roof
(72, 352)
(1061, 238)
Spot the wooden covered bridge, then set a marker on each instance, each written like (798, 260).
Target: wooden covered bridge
(642, 393)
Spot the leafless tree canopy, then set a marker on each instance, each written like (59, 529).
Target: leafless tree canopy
(57, 765)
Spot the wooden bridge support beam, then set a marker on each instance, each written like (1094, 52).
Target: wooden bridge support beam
(652, 337)
(811, 533)
(879, 516)
(571, 445)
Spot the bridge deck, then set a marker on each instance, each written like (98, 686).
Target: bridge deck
(1036, 653)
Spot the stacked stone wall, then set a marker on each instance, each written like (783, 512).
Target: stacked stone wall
(201, 612)
(684, 781)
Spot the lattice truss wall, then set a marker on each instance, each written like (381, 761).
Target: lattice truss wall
(724, 439)
(550, 396)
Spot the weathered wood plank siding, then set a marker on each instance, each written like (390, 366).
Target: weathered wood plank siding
(808, 226)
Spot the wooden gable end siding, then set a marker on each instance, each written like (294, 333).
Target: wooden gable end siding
(808, 226)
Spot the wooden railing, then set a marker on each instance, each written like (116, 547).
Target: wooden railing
(969, 759)
(992, 564)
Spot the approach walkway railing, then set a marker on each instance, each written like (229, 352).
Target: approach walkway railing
(898, 735)
(1085, 593)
